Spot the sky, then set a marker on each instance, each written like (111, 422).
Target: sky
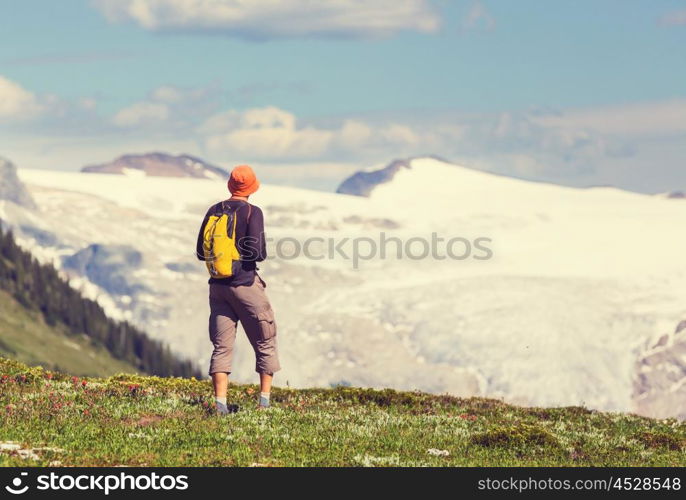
(591, 92)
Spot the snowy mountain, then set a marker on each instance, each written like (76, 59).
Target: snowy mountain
(363, 182)
(535, 293)
(159, 165)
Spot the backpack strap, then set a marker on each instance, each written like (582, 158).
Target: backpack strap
(249, 209)
(222, 209)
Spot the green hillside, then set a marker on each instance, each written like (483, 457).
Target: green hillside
(130, 420)
(24, 335)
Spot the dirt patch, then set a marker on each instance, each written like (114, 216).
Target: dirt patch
(520, 436)
(660, 440)
(146, 420)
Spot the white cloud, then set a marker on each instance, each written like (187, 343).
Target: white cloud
(87, 103)
(262, 19)
(264, 133)
(401, 135)
(141, 114)
(274, 133)
(629, 120)
(167, 93)
(566, 146)
(27, 112)
(353, 133)
(17, 103)
(581, 146)
(601, 145)
(168, 108)
(562, 144)
(674, 18)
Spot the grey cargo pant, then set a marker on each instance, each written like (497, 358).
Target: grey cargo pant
(250, 306)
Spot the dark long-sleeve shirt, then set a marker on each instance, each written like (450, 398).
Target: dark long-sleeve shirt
(250, 241)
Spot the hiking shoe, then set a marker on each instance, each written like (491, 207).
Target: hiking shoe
(223, 409)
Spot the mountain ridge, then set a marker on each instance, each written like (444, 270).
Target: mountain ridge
(158, 164)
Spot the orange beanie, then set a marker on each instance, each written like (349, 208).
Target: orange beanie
(243, 181)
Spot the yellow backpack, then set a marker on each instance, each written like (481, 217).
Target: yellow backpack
(219, 243)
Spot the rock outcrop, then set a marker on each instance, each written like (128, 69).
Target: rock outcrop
(363, 182)
(11, 188)
(660, 384)
(111, 267)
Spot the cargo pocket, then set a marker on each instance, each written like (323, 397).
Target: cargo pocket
(267, 325)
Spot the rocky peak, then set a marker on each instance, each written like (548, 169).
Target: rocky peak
(11, 188)
(159, 165)
(362, 183)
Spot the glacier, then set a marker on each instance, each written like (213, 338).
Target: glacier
(580, 285)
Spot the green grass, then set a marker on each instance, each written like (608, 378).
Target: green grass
(133, 420)
(25, 336)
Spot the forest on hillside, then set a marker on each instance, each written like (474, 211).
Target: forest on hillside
(40, 287)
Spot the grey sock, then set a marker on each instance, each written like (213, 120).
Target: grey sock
(264, 399)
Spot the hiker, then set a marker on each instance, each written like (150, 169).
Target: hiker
(231, 241)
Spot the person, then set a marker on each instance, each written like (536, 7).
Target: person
(241, 297)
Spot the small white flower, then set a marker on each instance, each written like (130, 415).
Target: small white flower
(28, 454)
(139, 435)
(437, 452)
